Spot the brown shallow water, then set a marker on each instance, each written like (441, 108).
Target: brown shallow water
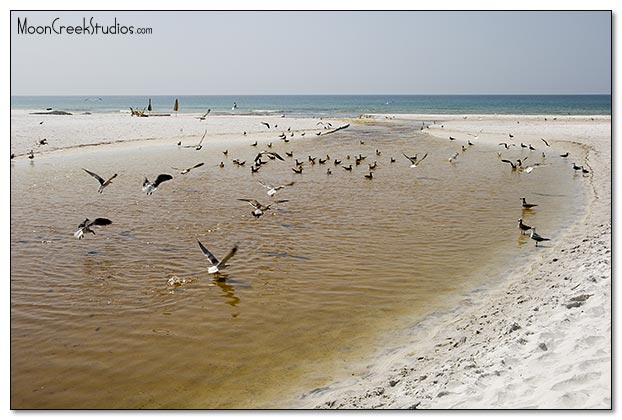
(95, 325)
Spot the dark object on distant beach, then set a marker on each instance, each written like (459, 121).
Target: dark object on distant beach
(51, 113)
(176, 106)
(149, 106)
(48, 109)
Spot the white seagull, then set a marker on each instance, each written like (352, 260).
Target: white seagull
(272, 189)
(185, 171)
(217, 265)
(413, 160)
(102, 183)
(150, 187)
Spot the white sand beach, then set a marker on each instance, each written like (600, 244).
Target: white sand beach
(538, 338)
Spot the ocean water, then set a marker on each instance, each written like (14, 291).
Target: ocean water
(331, 105)
(94, 323)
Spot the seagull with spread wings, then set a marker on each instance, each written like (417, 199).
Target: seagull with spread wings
(185, 171)
(150, 187)
(414, 161)
(216, 264)
(272, 189)
(102, 182)
(260, 209)
(85, 227)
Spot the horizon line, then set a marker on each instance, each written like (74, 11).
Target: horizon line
(325, 94)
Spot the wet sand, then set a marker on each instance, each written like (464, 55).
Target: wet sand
(122, 292)
(536, 337)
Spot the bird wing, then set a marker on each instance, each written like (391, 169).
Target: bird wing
(266, 124)
(424, 156)
(160, 179)
(101, 221)
(254, 203)
(204, 134)
(229, 255)
(509, 161)
(276, 155)
(111, 178)
(94, 175)
(280, 201)
(409, 158)
(268, 186)
(197, 165)
(208, 254)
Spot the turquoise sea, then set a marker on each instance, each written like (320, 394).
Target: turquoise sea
(331, 105)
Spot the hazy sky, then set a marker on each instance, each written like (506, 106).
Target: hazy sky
(219, 53)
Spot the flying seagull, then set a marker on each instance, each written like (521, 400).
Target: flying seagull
(150, 187)
(510, 162)
(266, 124)
(85, 227)
(185, 171)
(537, 237)
(217, 265)
(476, 136)
(564, 155)
(453, 157)
(545, 142)
(272, 189)
(260, 209)
(198, 146)
(271, 155)
(102, 183)
(413, 159)
(205, 115)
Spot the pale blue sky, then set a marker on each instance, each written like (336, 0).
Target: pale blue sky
(213, 53)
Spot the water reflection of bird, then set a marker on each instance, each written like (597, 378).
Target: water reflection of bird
(227, 289)
(216, 264)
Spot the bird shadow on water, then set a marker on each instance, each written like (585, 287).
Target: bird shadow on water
(224, 282)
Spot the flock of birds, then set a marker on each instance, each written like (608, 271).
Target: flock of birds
(150, 187)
